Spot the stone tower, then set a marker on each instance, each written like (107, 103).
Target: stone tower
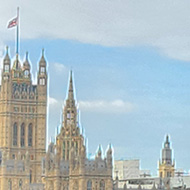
(23, 115)
(66, 165)
(166, 165)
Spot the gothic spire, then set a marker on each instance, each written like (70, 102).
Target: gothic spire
(7, 58)
(71, 89)
(26, 62)
(42, 60)
(167, 143)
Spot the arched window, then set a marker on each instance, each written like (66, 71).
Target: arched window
(9, 184)
(64, 150)
(30, 176)
(102, 185)
(76, 186)
(89, 185)
(15, 134)
(22, 135)
(20, 184)
(30, 135)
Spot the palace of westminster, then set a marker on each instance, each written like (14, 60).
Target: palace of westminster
(24, 162)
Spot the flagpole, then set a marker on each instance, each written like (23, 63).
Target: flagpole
(17, 32)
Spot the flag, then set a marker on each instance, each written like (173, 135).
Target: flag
(13, 23)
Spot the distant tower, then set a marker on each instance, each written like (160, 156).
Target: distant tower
(166, 165)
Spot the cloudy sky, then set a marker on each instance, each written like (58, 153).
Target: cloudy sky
(131, 63)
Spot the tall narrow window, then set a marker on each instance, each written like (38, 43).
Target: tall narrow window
(30, 135)
(102, 185)
(20, 184)
(30, 176)
(9, 184)
(89, 185)
(64, 150)
(15, 134)
(22, 135)
(76, 148)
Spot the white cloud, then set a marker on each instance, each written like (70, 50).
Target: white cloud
(116, 106)
(160, 24)
(52, 101)
(59, 68)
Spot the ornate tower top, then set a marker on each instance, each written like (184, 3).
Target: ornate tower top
(71, 91)
(167, 152)
(7, 58)
(167, 143)
(42, 60)
(26, 64)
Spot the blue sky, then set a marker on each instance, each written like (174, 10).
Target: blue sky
(131, 72)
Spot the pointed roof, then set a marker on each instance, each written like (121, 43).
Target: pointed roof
(16, 65)
(26, 62)
(71, 89)
(7, 58)
(167, 143)
(42, 60)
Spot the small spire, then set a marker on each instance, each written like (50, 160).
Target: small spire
(7, 50)
(42, 52)
(26, 64)
(27, 56)
(167, 143)
(99, 151)
(17, 61)
(42, 60)
(7, 54)
(71, 91)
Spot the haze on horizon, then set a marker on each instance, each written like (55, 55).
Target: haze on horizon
(131, 63)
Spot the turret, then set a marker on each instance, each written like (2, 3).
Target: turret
(6, 66)
(167, 152)
(26, 67)
(99, 153)
(166, 167)
(42, 75)
(109, 156)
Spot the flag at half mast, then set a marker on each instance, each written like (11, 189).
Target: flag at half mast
(13, 22)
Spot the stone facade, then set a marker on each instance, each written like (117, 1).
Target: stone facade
(24, 162)
(66, 165)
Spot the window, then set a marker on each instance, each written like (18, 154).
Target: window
(30, 135)
(68, 147)
(30, 176)
(42, 81)
(76, 186)
(26, 73)
(20, 184)
(9, 184)
(168, 174)
(22, 135)
(6, 68)
(15, 134)
(102, 185)
(63, 150)
(89, 185)
(76, 147)
(13, 156)
(42, 69)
